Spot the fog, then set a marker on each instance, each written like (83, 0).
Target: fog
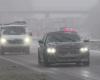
(53, 14)
(31, 5)
(92, 22)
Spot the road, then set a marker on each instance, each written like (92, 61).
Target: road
(63, 72)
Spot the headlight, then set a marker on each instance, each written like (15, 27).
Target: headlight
(51, 50)
(83, 50)
(3, 40)
(27, 40)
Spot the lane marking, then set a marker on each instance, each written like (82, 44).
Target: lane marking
(26, 66)
(88, 76)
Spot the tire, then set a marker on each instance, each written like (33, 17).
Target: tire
(86, 63)
(83, 63)
(45, 61)
(47, 64)
(39, 59)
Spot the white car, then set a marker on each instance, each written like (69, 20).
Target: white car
(15, 38)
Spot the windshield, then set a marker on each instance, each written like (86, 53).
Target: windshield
(13, 31)
(61, 37)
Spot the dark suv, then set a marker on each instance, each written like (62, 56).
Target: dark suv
(62, 47)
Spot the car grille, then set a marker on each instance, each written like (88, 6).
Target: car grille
(15, 41)
(67, 51)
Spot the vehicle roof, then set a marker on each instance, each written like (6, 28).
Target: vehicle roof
(14, 26)
(61, 32)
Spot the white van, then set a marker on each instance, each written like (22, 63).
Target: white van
(15, 38)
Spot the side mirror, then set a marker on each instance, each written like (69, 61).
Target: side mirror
(40, 42)
(87, 40)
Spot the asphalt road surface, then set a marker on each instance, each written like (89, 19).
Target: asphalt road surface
(59, 72)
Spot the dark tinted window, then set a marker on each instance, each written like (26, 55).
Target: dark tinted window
(63, 37)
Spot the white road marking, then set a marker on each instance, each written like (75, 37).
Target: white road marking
(26, 66)
(88, 76)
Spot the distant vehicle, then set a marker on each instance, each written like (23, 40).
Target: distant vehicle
(15, 38)
(62, 47)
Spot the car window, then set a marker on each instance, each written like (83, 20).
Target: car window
(13, 31)
(63, 37)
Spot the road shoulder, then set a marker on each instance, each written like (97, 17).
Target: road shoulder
(12, 71)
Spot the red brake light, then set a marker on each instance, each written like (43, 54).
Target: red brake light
(69, 30)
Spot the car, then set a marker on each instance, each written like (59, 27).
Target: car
(63, 47)
(15, 38)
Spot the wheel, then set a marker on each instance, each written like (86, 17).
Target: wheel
(45, 61)
(86, 63)
(42, 59)
(47, 64)
(39, 58)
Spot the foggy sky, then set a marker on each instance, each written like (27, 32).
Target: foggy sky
(92, 23)
(64, 4)
(30, 5)
(15, 5)
(90, 26)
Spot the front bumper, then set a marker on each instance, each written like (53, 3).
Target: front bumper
(68, 58)
(14, 48)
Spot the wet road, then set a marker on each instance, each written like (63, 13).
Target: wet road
(63, 72)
